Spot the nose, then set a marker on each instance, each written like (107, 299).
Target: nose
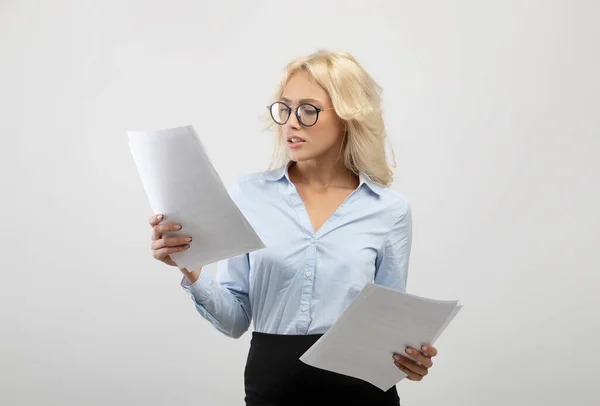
(292, 122)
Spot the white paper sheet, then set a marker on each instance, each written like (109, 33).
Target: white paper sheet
(378, 323)
(182, 183)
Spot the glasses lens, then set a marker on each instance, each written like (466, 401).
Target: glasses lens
(280, 112)
(308, 114)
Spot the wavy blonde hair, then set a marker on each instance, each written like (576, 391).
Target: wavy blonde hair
(356, 98)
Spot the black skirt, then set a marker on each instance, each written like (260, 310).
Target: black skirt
(275, 376)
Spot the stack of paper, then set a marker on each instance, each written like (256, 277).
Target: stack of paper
(181, 183)
(378, 323)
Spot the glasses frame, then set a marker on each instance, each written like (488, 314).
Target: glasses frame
(295, 110)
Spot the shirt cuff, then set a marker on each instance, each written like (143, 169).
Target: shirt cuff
(202, 288)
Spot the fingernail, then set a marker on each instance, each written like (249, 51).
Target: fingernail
(408, 350)
(178, 227)
(397, 357)
(160, 217)
(424, 348)
(188, 239)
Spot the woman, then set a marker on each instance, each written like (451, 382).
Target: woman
(330, 225)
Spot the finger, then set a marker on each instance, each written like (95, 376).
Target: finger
(154, 220)
(160, 254)
(160, 229)
(419, 357)
(168, 227)
(410, 365)
(409, 374)
(170, 242)
(429, 350)
(156, 235)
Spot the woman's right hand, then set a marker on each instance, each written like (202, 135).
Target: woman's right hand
(163, 247)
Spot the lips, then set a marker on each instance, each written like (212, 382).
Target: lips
(294, 139)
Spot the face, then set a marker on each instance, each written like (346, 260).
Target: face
(320, 140)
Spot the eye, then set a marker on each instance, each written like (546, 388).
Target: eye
(308, 110)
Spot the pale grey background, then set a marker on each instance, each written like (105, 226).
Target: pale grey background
(492, 108)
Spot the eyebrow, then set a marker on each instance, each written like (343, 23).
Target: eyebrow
(306, 100)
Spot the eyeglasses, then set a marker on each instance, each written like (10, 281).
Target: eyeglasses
(306, 113)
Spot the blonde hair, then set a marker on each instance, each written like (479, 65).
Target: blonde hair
(356, 98)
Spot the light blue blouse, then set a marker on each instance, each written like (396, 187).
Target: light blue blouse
(303, 280)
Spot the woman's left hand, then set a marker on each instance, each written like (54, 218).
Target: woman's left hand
(416, 370)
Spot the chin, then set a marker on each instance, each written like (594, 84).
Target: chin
(309, 152)
(298, 156)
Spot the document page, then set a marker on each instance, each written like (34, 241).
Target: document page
(181, 183)
(378, 323)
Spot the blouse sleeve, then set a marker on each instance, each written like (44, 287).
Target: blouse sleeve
(393, 260)
(224, 300)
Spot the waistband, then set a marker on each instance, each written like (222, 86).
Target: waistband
(284, 337)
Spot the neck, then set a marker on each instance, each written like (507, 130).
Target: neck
(321, 175)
